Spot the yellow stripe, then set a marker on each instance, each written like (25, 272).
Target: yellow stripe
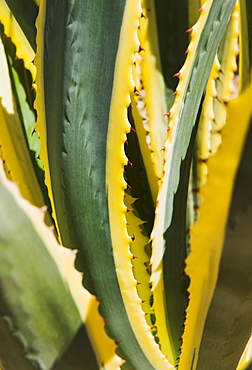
(40, 105)
(141, 259)
(87, 305)
(118, 128)
(227, 86)
(13, 144)
(157, 234)
(221, 88)
(151, 101)
(13, 30)
(208, 233)
(246, 358)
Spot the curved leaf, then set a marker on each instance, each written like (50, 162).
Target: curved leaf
(19, 161)
(40, 314)
(25, 12)
(77, 75)
(13, 30)
(206, 36)
(203, 261)
(228, 323)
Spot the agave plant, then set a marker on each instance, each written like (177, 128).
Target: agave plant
(120, 147)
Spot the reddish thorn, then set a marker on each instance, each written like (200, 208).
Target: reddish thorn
(129, 187)
(146, 313)
(143, 16)
(133, 257)
(133, 237)
(130, 105)
(124, 195)
(117, 342)
(143, 301)
(176, 75)
(162, 149)
(167, 114)
(132, 129)
(129, 163)
(189, 30)
(135, 89)
(168, 129)
(128, 210)
(133, 267)
(127, 224)
(134, 63)
(200, 9)
(187, 51)
(139, 283)
(175, 93)
(140, 49)
(16, 58)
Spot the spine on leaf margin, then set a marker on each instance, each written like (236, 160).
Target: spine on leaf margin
(200, 269)
(76, 133)
(17, 124)
(36, 310)
(206, 35)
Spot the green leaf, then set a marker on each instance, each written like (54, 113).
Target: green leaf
(25, 12)
(210, 38)
(173, 40)
(35, 301)
(81, 45)
(19, 159)
(228, 323)
(175, 280)
(202, 264)
(206, 36)
(24, 95)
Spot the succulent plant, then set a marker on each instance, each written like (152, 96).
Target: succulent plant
(125, 188)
